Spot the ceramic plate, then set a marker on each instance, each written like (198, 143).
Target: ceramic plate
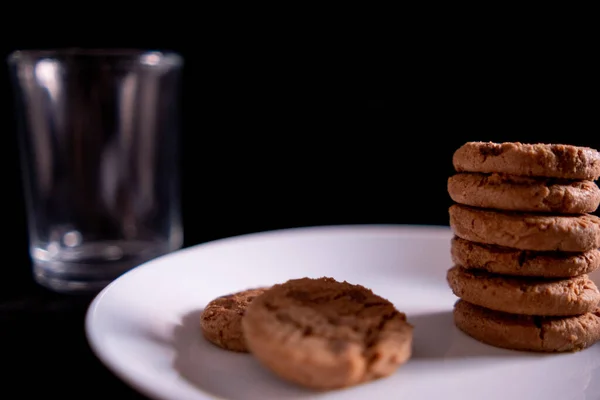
(145, 325)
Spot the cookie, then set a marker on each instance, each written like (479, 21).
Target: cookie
(526, 231)
(539, 159)
(528, 333)
(221, 320)
(509, 261)
(324, 334)
(528, 296)
(521, 193)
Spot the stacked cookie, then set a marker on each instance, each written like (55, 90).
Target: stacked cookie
(524, 243)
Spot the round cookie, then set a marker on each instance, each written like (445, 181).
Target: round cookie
(221, 320)
(539, 159)
(521, 193)
(526, 231)
(559, 297)
(527, 333)
(324, 334)
(509, 261)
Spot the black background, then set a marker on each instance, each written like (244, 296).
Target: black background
(280, 132)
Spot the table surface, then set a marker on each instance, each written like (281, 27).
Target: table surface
(42, 335)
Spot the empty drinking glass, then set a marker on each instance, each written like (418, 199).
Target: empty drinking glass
(99, 135)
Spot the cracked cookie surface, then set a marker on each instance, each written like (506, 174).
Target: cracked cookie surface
(221, 320)
(526, 231)
(509, 261)
(521, 193)
(528, 333)
(529, 296)
(528, 159)
(325, 334)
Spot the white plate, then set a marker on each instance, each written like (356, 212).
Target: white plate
(145, 325)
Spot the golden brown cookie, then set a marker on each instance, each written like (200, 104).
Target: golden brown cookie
(528, 333)
(526, 231)
(521, 193)
(509, 261)
(528, 296)
(545, 160)
(221, 320)
(324, 334)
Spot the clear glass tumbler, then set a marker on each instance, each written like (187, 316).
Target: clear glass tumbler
(99, 140)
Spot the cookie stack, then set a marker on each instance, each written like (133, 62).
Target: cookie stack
(524, 243)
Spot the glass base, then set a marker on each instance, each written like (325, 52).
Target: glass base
(89, 270)
(68, 285)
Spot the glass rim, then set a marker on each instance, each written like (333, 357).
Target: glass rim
(133, 55)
